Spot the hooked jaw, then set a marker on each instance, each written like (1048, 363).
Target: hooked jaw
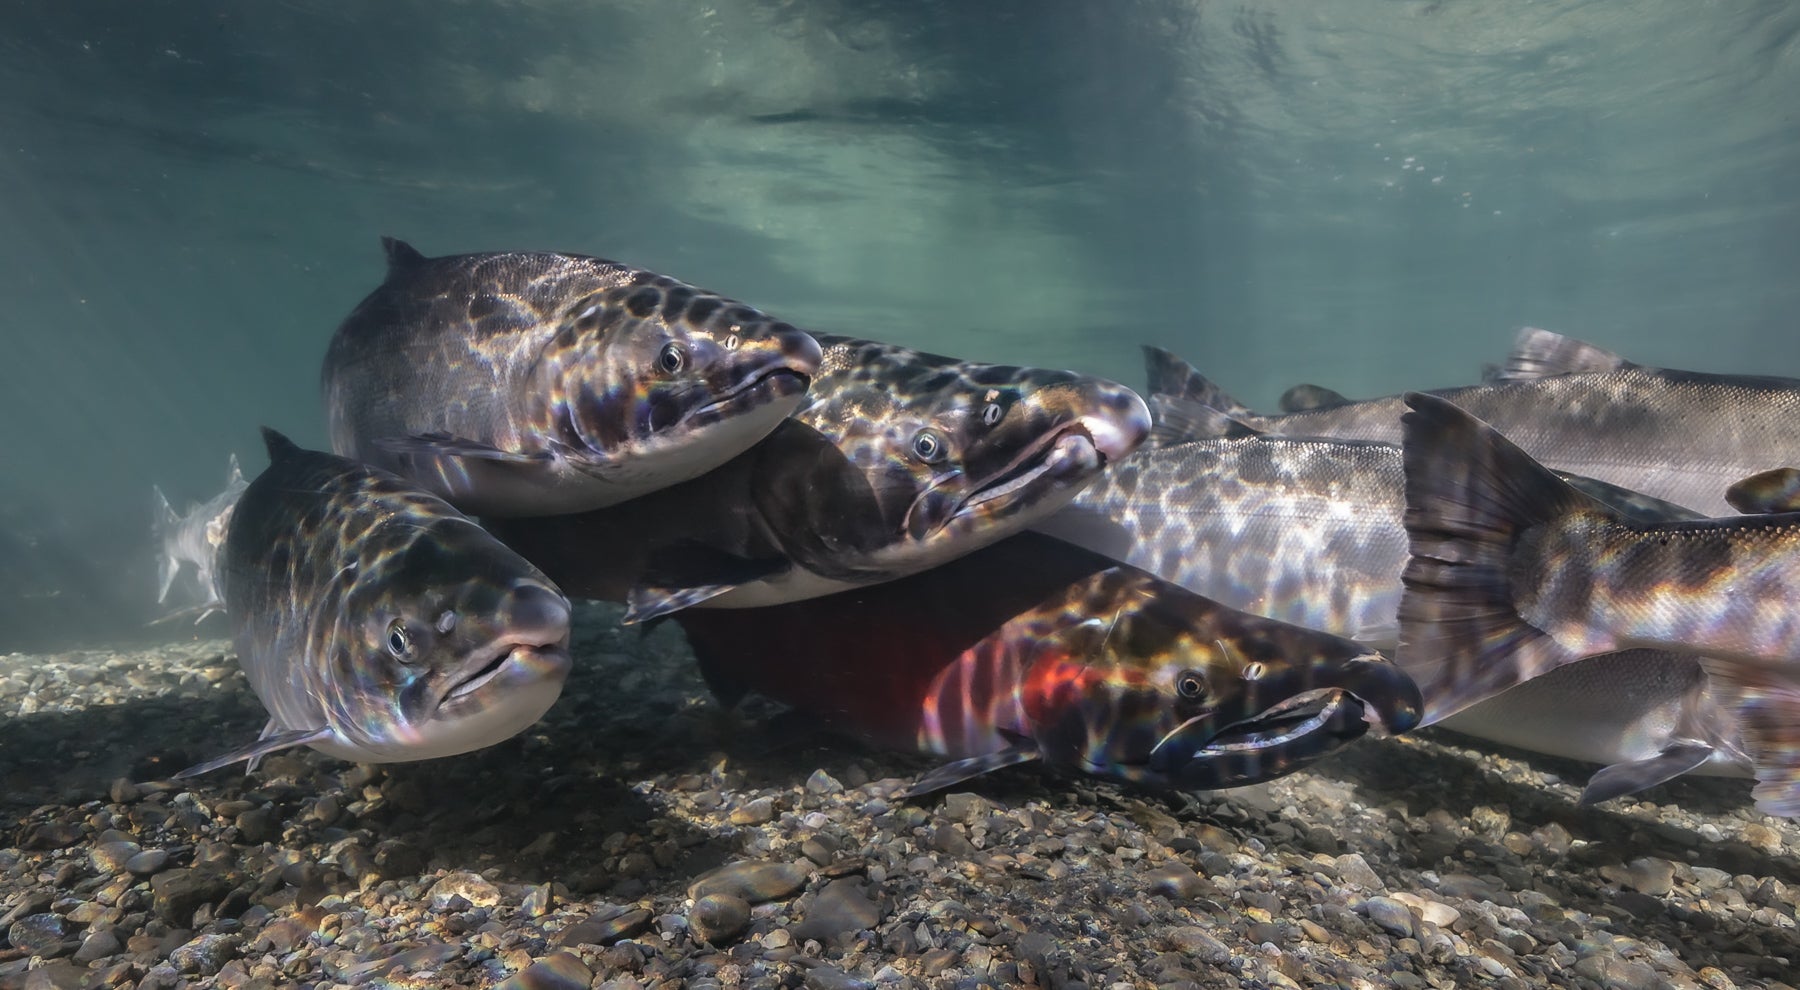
(1345, 699)
(504, 688)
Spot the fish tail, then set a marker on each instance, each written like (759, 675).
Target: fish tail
(1767, 698)
(1470, 495)
(164, 523)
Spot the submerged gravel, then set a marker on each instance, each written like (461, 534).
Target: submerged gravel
(641, 837)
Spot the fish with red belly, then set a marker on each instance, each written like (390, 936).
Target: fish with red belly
(1035, 650)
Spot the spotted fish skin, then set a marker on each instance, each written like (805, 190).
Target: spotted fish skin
(194, 539)
(376, 623)
(1037, 650)
(1683, 436)
(1311, 531)
(897, 461)
(541, 383)
(1513, 573)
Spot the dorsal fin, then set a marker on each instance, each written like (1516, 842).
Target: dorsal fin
(400, 255)
(1544, 354)
(1170, 375)
(280, 447)
(1307, 397)
(1771, 491)
(235, 476)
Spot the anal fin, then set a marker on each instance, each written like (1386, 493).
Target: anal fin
(951, 774)
(1621, 779)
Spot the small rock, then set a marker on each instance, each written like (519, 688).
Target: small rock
(1355, 870)
(557, 971)
(605, 930)
(964, 807)
(474, 890)
(38, 934)
(843, 905)
(718, 918)
(1553, 839)
(1646, 874)
(111, 857)
(147, 862)
(1390, 915)
(1760, 836)
(257, 826)
(205, 955)
(98, 945)
(755, 881)
(754, 812)
(1177, 882)
(1195, 943)
(1611, 971)
(1436, 912)
(825, 976)
(823, 783)
(175, 894)
(821, 849)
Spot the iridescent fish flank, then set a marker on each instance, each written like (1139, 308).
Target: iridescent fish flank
(1036, 650)
(1684, 436)
(194, 540)
(378, 624)
(538, 383)
(898, 461)
(1514, 573)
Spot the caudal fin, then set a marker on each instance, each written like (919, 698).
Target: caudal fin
(164, 524)
(1767, 697)
(1470, 495)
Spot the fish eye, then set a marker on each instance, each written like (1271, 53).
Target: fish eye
(928, 447)
(671, 359)
(1191, 685)
(399, 641)
(992, 414)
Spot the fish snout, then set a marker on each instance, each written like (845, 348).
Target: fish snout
(1116, 419)
(536, 615)
(1381, 686)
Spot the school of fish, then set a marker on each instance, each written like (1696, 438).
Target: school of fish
(995, 564)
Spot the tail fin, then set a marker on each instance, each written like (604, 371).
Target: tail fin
(1542, 354)
(1470, 495)
(1768, 707)
(167, 566)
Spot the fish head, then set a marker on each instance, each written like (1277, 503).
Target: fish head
(936, 457)
(1164, 688)
(655, 376)
(443, 641)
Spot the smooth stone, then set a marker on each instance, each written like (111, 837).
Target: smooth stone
(470, 887)
(1195, 943)
(257, 826)
(755, 881)
(176, 894)
(38, 934)
(719, 918)
(1354, 870)
(1762, 837)
(1646, 874)
(825, 976)
(755, 812)
(605, 930)
(205, 955)
(1177, 881)
(60, 975)
(98, 945)
(558, 971)
(823, 783)
(111, 857)
(1436, 912)
(147, 862)
(843, 905)
(1390, 915)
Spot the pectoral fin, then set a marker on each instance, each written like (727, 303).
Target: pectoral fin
(685, 574)
(1621, 779)
(446, 445)
(269, 742)
(951, 774)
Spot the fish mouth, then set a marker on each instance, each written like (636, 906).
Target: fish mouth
(771, 384)
(514, 662)
(1286, 737)
(1056, 456)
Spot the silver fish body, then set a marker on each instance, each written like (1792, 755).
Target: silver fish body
(1513, 573)
(1682, 436)
(539, 383)
(898, 461)
(1311, 531)
(376, 623)
(193, 540)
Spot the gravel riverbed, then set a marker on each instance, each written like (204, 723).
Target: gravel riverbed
(640, 836)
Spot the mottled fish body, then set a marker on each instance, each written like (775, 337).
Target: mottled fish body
(1514, 573)
(539, 383)
(897, 461)
(1037, 650)
(1683, 436)
(376, 623)
(193, 540)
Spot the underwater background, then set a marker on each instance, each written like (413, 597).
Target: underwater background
(1367, 194)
